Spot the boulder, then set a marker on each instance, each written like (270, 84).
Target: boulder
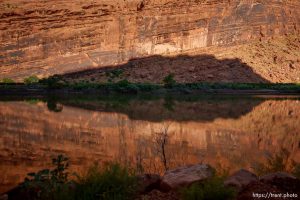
(277, 175)
(282, 180)
(185, 176)
(241, 179)
(4, 197)
(148, 182)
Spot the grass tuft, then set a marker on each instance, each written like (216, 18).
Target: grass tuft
(108, 183)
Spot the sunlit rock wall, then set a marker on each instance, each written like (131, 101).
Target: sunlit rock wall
(54, 37)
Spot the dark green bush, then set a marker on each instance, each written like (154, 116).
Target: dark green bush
(31, 80)
(125, 86)
(53, 82)
(108, 183)
(169, 80)
(212, 189)
(7, 81)
(47, 183)
(116, 73)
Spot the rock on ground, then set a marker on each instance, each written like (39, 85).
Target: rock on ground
(185, 176)
(148, 182)
(241, 179)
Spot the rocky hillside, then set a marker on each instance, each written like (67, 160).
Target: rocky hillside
(57, 37)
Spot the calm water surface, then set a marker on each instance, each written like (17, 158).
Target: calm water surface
(150, 134)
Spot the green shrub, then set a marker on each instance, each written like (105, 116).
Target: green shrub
(124, 86)
(116, 73)
(146, 87)
(169, 80)
(212, 189)
(7, 81)
(47, 183)
(31, 80)
(54, 106)
(108, 183)
(53, 82)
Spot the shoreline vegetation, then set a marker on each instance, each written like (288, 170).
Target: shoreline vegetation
(169, 85)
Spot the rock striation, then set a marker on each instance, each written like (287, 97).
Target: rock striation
(46, 37)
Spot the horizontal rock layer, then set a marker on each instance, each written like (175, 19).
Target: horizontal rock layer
(47, 37)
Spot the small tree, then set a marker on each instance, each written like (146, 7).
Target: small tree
(169, 80)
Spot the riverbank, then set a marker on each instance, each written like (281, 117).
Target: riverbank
(113, 181)
(125, 87)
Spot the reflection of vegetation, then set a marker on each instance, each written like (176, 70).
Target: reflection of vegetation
(107, 183)
(169, 103)
(161, 141)
(47, 184)
(32, 101)
(53, 105)
(212, 189)
(152, 107)
(279, 162)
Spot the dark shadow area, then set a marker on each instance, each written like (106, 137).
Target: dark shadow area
(154, 108)
(188, 108)
(186, 69)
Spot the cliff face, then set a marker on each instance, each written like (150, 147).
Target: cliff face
(54, 37)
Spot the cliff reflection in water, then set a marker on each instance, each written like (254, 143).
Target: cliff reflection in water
(149, 135)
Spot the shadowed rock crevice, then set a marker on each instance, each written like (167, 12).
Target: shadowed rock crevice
(186, 69)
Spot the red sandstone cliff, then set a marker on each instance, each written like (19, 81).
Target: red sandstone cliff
(54, 37)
